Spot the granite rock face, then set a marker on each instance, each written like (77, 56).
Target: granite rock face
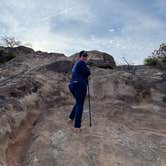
(128, 114)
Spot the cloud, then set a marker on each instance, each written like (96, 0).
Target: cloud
(111, 30)
(161, 6)
(122, 28)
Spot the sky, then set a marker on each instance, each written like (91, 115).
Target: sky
(122, 28)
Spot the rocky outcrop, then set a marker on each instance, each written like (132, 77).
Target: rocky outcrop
(98, 59)
(60, 66)
(128, 114)
(27, 60)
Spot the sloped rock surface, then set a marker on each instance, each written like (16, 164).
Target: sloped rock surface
(128, 116)
(128, 129)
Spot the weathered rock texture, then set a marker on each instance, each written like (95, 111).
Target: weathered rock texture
(98, 59)
(128, 114)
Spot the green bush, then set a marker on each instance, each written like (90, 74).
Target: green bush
(151, 61)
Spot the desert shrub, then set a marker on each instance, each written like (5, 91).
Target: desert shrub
(151, 61)
(158, 57)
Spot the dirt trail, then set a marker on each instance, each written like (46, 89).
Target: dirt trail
(17, 148)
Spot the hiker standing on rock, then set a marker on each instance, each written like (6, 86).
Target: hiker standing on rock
(78, 87)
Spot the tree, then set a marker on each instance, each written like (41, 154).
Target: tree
(161, 52)
(10, 41)
(158, 57)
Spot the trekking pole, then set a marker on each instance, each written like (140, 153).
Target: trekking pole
(90, 123)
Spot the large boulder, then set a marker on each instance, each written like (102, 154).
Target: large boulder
(98, 59)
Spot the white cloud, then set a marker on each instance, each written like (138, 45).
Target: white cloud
(111, 30)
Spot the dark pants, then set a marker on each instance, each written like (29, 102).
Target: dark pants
(78, 90)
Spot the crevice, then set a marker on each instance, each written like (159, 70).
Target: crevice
(18, 145)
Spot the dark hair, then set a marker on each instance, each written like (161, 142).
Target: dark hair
(83, 53)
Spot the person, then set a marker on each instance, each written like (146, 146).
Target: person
(78, 88)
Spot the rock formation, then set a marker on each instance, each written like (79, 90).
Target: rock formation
(97, 58)
(128, 113)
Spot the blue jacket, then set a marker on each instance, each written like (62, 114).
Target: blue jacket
(80, 72)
